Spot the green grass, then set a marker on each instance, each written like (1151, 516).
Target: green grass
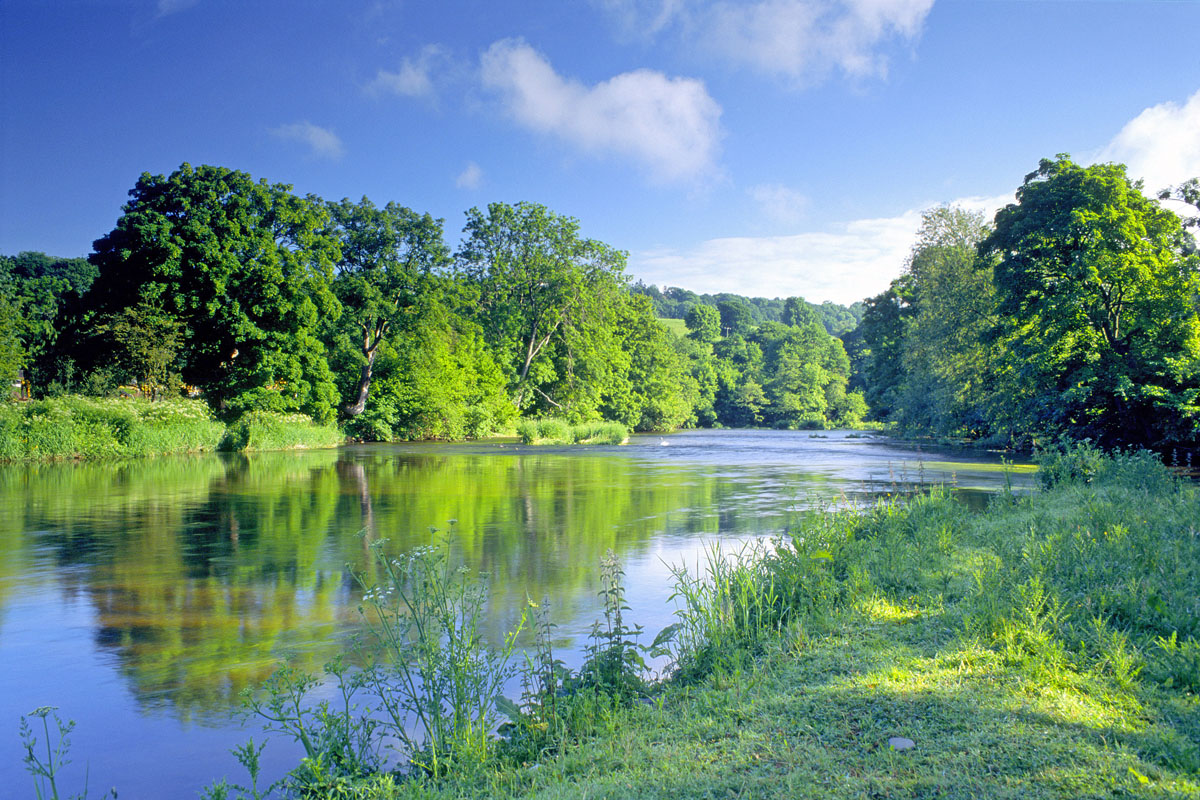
(552, 431)
(108, 428)
(83, 427)
(266, 430)
(675, 326)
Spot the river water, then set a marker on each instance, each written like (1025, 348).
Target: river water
(141, 597)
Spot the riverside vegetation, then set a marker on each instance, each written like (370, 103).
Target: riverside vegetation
(1046, 647)
(85, 427)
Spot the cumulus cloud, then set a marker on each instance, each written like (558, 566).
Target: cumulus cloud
(1161, 145)
(414, 78)
(670, 125)
(845, 264)
(779, 203)
(322, 143)
(470, 177)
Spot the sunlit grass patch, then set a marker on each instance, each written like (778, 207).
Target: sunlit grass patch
(552, 431)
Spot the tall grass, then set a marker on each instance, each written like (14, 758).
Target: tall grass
(267, 430)
(82, 427)
(73, 426)
(551, 431)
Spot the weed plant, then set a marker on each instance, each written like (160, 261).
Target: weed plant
(56, 744)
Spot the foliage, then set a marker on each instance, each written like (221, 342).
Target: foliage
(388, 259)
(544, 294)
(434, 669)
(1098, 309)
(703, 323)
(244, 267)
(37, 292)
(150, 339)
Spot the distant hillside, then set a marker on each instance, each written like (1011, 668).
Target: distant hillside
(673, 303)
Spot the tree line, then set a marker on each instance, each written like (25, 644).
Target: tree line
(1073, 313)
(260, 299)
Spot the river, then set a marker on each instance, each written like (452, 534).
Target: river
(141, 597)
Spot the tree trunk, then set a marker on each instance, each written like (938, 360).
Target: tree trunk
(364, 387)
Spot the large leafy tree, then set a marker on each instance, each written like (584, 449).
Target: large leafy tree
(245, 267)
(390, 257)
(1097, 304)
(946, 353)
(545, 297)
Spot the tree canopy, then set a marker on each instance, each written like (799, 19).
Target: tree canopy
(245, 267)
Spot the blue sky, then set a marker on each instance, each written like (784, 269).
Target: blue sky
(766, 147)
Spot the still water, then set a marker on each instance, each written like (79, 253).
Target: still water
(141, 597)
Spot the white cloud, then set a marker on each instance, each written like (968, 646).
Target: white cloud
(803, 40)
(323, 143)
(1161, 145)
(848, 263)
(670, 125)
(779, 203)
(414, 78)
(470, 177)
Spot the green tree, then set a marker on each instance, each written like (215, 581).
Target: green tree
(43, 293)
(388, 258)
(654, 392)
(1187, 193)
(736, 316)
(798, 313)
(880, 347)
(12, 352)
(545, 297)
(946, 353)
(245, 267)
(150, 340)
(703, 323)
(1097, 303)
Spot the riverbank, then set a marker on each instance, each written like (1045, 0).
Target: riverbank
(76, 427)
(1048, 647)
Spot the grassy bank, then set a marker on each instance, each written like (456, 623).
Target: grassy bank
(92, 428)
(559, 432)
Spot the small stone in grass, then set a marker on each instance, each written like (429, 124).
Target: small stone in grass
(900, 743)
